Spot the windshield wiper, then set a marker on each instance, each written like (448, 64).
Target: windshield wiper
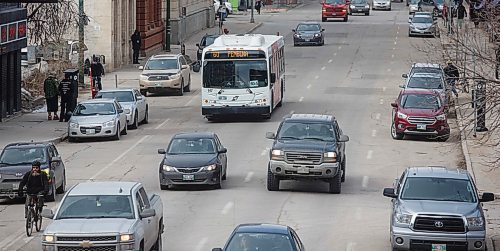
(289, 137)
(316, 138)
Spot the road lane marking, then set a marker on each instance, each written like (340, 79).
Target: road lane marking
(381, 101)
(323, 68)
(358, 213)
(201, 244)
(330, 61)
(395, 42)
(316, 77)
(374, 133)
(162, 124)
(369, 154)
(377, 116)
(308, 86)
(335, 54)
(392, 56)
(249, 177)
(350, 246)
(388, 70)
(227, 207)
(393, 48)
(384, 88)
(119, 157)
(301, 99)
(364, 183)
(10, 240)
(340, 47)
(191, 100)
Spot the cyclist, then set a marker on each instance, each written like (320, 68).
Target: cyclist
(452, 76)
(37, 184)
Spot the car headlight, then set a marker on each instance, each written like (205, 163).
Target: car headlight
(73, 125)
(168, 168)
(277, 155)
(296, 35)
(109, 123)
(127, 111)
(143, 77)
(353, 7)
(402, 218)
(126, 237)
(441, 117)
(402, 115)
(367, 6)
(48, 238)
(209, 167)
(175, 76)
(475, 221)
(317, 35)
(330, 157)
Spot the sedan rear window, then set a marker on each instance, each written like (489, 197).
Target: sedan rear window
(438, 189)
(425, 83)
(420, 101)
(259, 241)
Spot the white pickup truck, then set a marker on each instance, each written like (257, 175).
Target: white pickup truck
(105, 216)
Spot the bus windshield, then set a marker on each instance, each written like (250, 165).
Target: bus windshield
(237, 74)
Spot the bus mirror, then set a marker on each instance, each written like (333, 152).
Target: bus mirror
(273, 78)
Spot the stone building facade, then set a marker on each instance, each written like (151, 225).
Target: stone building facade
(190, 16)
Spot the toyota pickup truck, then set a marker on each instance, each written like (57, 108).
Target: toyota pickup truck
(105, 216)
(437, 208)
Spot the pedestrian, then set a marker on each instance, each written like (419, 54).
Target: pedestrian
(136, 46)
(66, 92)
(258, 5)
(462, 12)
(221, 12)
(97, 71)
(50, 86)
(452, 76)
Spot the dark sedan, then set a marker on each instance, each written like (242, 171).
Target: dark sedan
(360, 6)
(16, 159)
(263, 237)
(206, 40)
(308, 33)
(193, 158)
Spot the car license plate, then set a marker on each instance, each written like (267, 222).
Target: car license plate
(421, 127)
(307, 39)
(90, 131)
(303, 170)
(438, 247)
(334, 14)
(158, 84)
(188, 177)
(15, 186)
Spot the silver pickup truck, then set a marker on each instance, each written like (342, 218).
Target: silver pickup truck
(437, 208)
(105, 216)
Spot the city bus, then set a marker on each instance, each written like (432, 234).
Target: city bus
(243, 74)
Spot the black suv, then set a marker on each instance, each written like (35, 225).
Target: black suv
(206, 40)
(310, 147)
(16, 159)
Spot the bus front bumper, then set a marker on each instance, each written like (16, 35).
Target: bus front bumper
(255, 110)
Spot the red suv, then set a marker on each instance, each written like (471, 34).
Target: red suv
(419, 112)
(335, 9)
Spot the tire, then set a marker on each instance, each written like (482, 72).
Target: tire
(124, 131)
(158, 244)
(210, 118)
(188, 87)
(335, 184)
(144, 93)
(37, 221)
(273, 182)
(323, 19)
(29, 222)
(164, 187)
(136, 122)
(443, 138)
(280, 104)
(71, 139)
(62, 188)
(146, 116)
(52, 197)
(367, 13)
(346, 18)
(180, 92)
(395, 135)
(342, 179)
(219, 185)
(118, 134)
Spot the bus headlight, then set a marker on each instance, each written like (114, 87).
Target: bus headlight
(260, 101)
(206, 101)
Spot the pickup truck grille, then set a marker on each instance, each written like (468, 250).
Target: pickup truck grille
(188, 170)
(422, 120)
(439, 224)
(99, 248)
(303, 158)
(88, 238)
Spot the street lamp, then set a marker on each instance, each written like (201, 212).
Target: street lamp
(81, 45)
(252, 20)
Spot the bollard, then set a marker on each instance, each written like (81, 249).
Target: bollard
(183, 49)
(116, 81)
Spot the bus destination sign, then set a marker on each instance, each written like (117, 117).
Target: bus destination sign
(235, 54)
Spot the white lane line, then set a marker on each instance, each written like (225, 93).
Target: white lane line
(369, 155)
(397, 32)
(393, 48)
(191, 100)
(10, 240)
(316, 77)
(330, 61)
(201, 244)
(398, 27)
(308, 86)
(340, 47)
(323, 68)
(350, 246)
(335, 54)
(364, 183)
(358, 213)
(227, 207)
(395, 42)
(384, 88)
(301, 99)
(377, 116)
(381, 101)
(162, 124)
(396, 37)
(388, 70)
(119, 157)
(374, 133)
(392, 56)
(249, 177)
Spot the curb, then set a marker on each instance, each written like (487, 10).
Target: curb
(463, 139)
(59, 139)
(254, 28)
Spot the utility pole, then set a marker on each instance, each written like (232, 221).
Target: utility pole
(167, 27)
(252, 20)
(81, 45)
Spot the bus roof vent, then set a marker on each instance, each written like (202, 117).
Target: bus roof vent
(254, 40)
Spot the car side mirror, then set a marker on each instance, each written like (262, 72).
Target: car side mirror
(395, 105)
(198, 45)
(139, 97)
(343, 138)
(216, 249)
(161, 151)
(223, 150)
(404, 75)
(47, 213)
(270, 135)
(185, 66)
(146, 213)
(389, 192)
(273, 77)
(56, 159)
(293, 30)
(322, 29)
(141, 67)
(120, 110)
(487, 197)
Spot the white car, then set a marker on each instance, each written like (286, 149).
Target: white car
(133, 102)
(382, 5)
(228, 5)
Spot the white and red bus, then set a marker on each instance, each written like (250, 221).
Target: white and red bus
(243, 74)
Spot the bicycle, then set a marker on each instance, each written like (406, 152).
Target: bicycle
(33, 216)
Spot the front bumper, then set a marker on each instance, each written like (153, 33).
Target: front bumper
(381, 6)
(413, 240)
(92, 131)
(160, 85)
(436, 129)
(222, 110)
(427, 32)
(301, 171)
(198, 178)
(9, 189)
(335, 14)
(359, 10)
(308, 40)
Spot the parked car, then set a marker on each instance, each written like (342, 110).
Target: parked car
(307, 147)
(419, 112)
(193, 158)
(360, 6)
(16, 160)
(429, 81)
(414, 6)
(97, 118)
(105, 216)
(167, 72)
(263, 237)
(437, 208)
(382, 5)
(422, 26)
(308, 33)
(425, 68)
(134, 104)
(334, 9)
(206, 40)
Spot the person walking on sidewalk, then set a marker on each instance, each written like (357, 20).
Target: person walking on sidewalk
(66, 92)
(136, 46)
(452, 76)
(50, 86)
(97, 70)
(462, 12)
(258, 5)
(221, 12)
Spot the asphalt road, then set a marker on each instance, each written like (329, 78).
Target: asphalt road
(354, 76)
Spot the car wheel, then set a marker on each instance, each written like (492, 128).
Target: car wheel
(395, 134)
(164, 187)
(158, 243)
(124, 131)
(273, 182)
(280, 104)
(346, 18)
(367, 13)
(62, 188)
(323, 19)
(146, 116)
(144, 93)
(188, 87)
(117, 134)
(343, 170)
(136, 121)
(52, 196)
(181, 90)
(335, 184)
(443, 138)
(219, 185)
(71, 139)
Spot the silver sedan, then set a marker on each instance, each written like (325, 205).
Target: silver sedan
(97, 118)
(133, 102)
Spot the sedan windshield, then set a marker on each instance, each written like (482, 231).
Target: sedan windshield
(422, 20)
(95, 109)
(162, 64)
(308, 27)
(312, 131)
(335, 1)
(236, 74)
(425, 83)
(259, 241)
(420, 101)
(96, 206)
(439, 189)
(191, 146)
(120, 96)
(23, 155)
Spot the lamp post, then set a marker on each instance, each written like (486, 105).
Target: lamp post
(167, 27)
(252, 20)
(81, 45)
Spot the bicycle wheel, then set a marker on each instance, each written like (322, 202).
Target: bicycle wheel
(38, 221)
(29, 222)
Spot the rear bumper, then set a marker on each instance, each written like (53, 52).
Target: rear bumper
(214, 111)
(360, 10)
(423, 240)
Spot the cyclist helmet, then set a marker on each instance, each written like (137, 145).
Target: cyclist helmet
(36, 163)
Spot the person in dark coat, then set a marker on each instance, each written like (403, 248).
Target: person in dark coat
(258, 5)
(97, 71)
(66, 92)
(462, 13)
(136, 45)
(37, 185)
(51, 96)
